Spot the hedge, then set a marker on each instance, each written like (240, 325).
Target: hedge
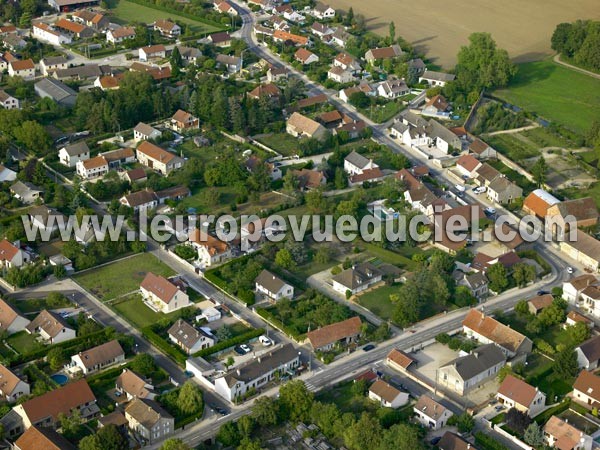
(172, 352)
(217, 281)
(223, 345)
(543, 417)
(487, 442)
(278, 323)
(178, 13)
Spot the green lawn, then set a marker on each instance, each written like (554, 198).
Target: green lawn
(378, 301)
(283, 143)
(37, 304)
(544, 138)
(129, 11)
(383, 113)
(121, 277)
(24, 342)
(555, 93)
(512, 147)
(395, 258)
(136, 312)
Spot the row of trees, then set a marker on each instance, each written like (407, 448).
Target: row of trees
(579, 40)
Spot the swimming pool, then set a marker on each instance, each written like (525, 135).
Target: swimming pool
(60, 378)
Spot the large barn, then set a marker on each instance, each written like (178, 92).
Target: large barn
(70, 5)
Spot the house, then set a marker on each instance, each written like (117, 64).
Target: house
(71, 5)
(22, 68)
(268, 90)
(52, 63)
(222, 39)
(503, 191)
(581, 212)
(77, 30)
(305, 56)
(11, 255)
(162, 295)
(8, 101)
(347, 62)
(39, 437)
(134, 386)
(444, 139)
(590, 300)
(416, 66)
(157, 159)
(452, 441)
(294, 16)
(233, 64)
(10, 320)
(516, 393)
(91, 19)
(183, 120)
(486, 329)
(298, 125)
(538, 202)
(477, 283)
(431, 414)
(92, 168)
(584, 249)
(85, 72)
(277, 73)
(6, 174)
(211, 250)
(284, 36)
(174, 193)
(57, 91)
(226, 8)
(26, 192)
(43, 32)
(144, 132)
(574, 318)
(437, 105)
(472, 370)
(120, 34)
(377, 54)
(392, 88)
(331, 119)
(323, 12)
(189, 338)
(11, 386)
(71, 154)
(482, 150)
(189, 54)
(340, 37)
(137, 175)
(149, 420)
(356, 164)
(116, 418)
(99, 357)
(140, 200)
(167, 28)
(539, 302)
(44, 410)
(357, 278)
(399, 360)
(51, 327)
(13, 42)
(588, 353)
(116, 158)
(342, 333)
(257, 372)
(254, 164)
(152, 52)
(272, 286)
(309, 179)
(387, 395)
(467, 165)
(370, 175)
(158, 73)
(320, 29)
(586, 389)
(560, 434)
(367, 89)
(436, 78)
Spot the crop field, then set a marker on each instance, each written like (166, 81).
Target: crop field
(439, 29)
(556, 93)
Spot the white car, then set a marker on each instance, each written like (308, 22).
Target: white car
(479, 190)
(264, 340)
(245, 348)
(460, 188)
(570, 270)
(489, 210)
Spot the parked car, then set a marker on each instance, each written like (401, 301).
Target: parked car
(459, 188)
(245, 348)
(239, 350)
(542, 292)
(368, 347)
(435, 440)
(479, 190)
(264, 340)
(489, 210)
(499, 408)
(570, 270)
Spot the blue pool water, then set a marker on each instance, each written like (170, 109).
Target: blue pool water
(60, 378)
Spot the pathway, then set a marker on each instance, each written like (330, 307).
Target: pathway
(557, 60)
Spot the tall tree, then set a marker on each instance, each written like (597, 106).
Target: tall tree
(189, 400)
(539, 171)
(265, 411)
(565, 364)
(296, 400)
(392, 32)
(498, 277)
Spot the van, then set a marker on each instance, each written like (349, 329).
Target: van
(459, 188)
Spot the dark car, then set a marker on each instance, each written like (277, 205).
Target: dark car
(239, 350)
(221, 411)
(542, 292)
(368, 347)
(435, 440)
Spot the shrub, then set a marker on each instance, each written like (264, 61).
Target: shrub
(219, 346)
(443, 338)
(544, 347)
(336, 270)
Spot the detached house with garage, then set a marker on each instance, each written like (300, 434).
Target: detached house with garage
(92, 168)
(144, 132)
(11, 386)
(273, 287)
(158, 159)
(588, 354)
(10, 320)
(516, 393)
(71, 154)
(586, 390)
(183, 120)
(51, 327)
(162, 295)
(189, 338)
(134, 386)
(11, 255)
(99, 357)
(340, 333)
(148, 419)
(358, 278)
(301, 126)
(140, 200)
(357, 164)
(211, 250)
(167, 28)
(387, 395)
(431, 414)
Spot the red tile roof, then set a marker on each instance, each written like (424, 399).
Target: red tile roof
(517, 390)
(332, 333)
(400, 358)
(159, 286)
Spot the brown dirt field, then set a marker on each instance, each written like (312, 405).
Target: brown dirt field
(438, 29)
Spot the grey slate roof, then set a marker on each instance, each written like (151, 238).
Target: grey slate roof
(438, 76)
(358, 275)
(77, 148)
(55, 89)
(270, 281)
(478, 361)
(53, 60)
(591, 349)
(357, 159)
(263, 364)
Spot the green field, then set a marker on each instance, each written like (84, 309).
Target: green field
(378, 301)
(128, 11)
(137, 313)
(283, 143)
(24, 343)
(555, 93)
(121, 277)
